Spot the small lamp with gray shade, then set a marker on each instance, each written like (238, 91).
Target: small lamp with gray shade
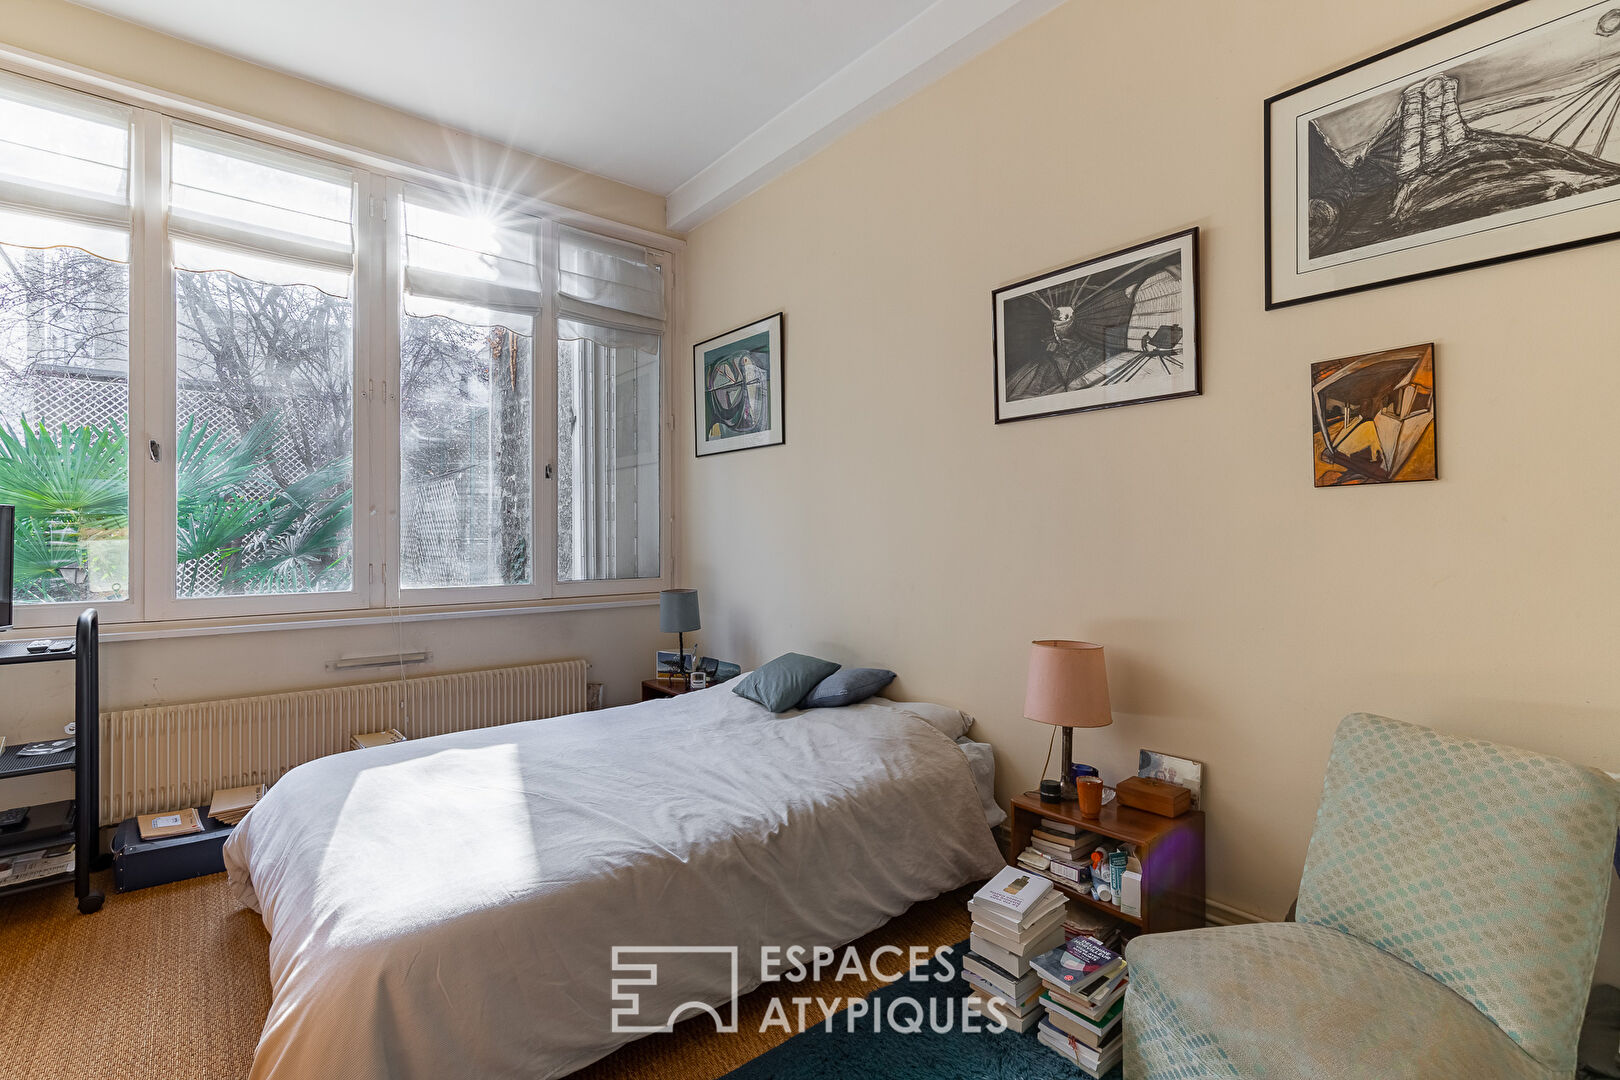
(1068, 688)
(677, 614)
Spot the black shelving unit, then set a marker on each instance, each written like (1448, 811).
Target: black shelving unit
(84, 759)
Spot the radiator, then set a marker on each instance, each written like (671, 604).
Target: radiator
(169, 756)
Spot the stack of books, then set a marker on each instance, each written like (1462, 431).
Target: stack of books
(1083, 993)
(1061, 850)
(232, 804)
(375, 738)
(1016, 917)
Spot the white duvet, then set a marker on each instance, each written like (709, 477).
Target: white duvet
(449, 907)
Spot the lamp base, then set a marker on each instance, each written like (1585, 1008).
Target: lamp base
(1067, 790)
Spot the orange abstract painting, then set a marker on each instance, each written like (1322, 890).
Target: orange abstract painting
(1373, 418)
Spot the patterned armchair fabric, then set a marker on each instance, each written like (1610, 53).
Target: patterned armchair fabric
(1449, 916)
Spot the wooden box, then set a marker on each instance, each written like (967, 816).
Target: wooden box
(1155, 796)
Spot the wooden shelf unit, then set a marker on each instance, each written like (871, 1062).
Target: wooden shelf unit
(1171, 850)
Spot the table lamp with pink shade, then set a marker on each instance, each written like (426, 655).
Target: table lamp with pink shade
(1068, 688)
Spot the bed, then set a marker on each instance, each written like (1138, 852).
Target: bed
(449, 907)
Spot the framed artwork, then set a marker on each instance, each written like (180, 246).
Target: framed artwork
(670, 663)
(1115, 330)
(1372, 418)
(1494, 138)
(737, 388)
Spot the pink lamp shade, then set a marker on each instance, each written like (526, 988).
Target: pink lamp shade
(1068, 685)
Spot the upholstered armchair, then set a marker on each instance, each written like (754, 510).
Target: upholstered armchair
(1448, 923)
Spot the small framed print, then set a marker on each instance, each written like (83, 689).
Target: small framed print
(737, 388)
(1373, 418)
(1117, 329)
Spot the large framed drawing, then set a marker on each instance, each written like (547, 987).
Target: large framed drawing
(1115, 330)
(1491, 139)
(737, 388)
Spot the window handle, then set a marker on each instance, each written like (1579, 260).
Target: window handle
(154, 450)
(548, 470)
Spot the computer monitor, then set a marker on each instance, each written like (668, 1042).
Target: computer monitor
(8, 525)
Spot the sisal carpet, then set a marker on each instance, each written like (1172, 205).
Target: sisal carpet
(173, 982)
(168, 982)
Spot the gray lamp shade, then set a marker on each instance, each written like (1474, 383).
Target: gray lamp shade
(678, 611)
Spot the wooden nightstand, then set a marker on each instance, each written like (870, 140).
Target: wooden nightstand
(1171, 850)
(653, 689)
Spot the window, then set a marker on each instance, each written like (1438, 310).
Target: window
(610, 299)
(239, 378)
(64, 341)
(264, 368)
(472, 295)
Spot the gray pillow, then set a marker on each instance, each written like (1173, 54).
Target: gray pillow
(781, 684)
(846, 687)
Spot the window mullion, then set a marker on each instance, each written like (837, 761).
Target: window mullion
(152, 335)
(548, 480)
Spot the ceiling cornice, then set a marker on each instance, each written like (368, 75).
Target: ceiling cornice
(942, 37)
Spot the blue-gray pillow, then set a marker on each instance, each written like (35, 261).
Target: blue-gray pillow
(781, 684)
(847, 686)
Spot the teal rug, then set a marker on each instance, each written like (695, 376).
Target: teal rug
(842, 1054)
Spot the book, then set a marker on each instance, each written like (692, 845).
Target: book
(1003, 984)
(1055, 851)
(1015, 962)
(1081, 967)
(375, 738)
(1097, 1007)
(1015, 891)
(231, 805)
(32, 865)
(1074, 872)
(1007, 922)
(1017, 938)
(170, 823)
(1060, 839)
(1090, 1032)
(992, 1007)
(1091, 1061)
(1031, 859)
(1058, 825)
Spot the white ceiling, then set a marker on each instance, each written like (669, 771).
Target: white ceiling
(649, 92)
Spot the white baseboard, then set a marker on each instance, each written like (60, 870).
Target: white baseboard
(1219, 914)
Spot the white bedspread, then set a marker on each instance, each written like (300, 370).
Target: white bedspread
(448, 907)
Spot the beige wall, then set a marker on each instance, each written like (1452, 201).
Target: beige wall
(618, 642)
(1244, 611)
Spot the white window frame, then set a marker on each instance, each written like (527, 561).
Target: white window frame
(666, 429)
(377, 295)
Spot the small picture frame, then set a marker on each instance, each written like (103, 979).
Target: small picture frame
(669, 664)
(700, 679)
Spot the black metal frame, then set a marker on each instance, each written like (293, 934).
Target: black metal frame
(86, 759)
(698, 388)
(1272, 304)
(1197, 334)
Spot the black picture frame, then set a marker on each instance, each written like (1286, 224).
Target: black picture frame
(1270, 142)
(1191, 362)
(773, 328)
